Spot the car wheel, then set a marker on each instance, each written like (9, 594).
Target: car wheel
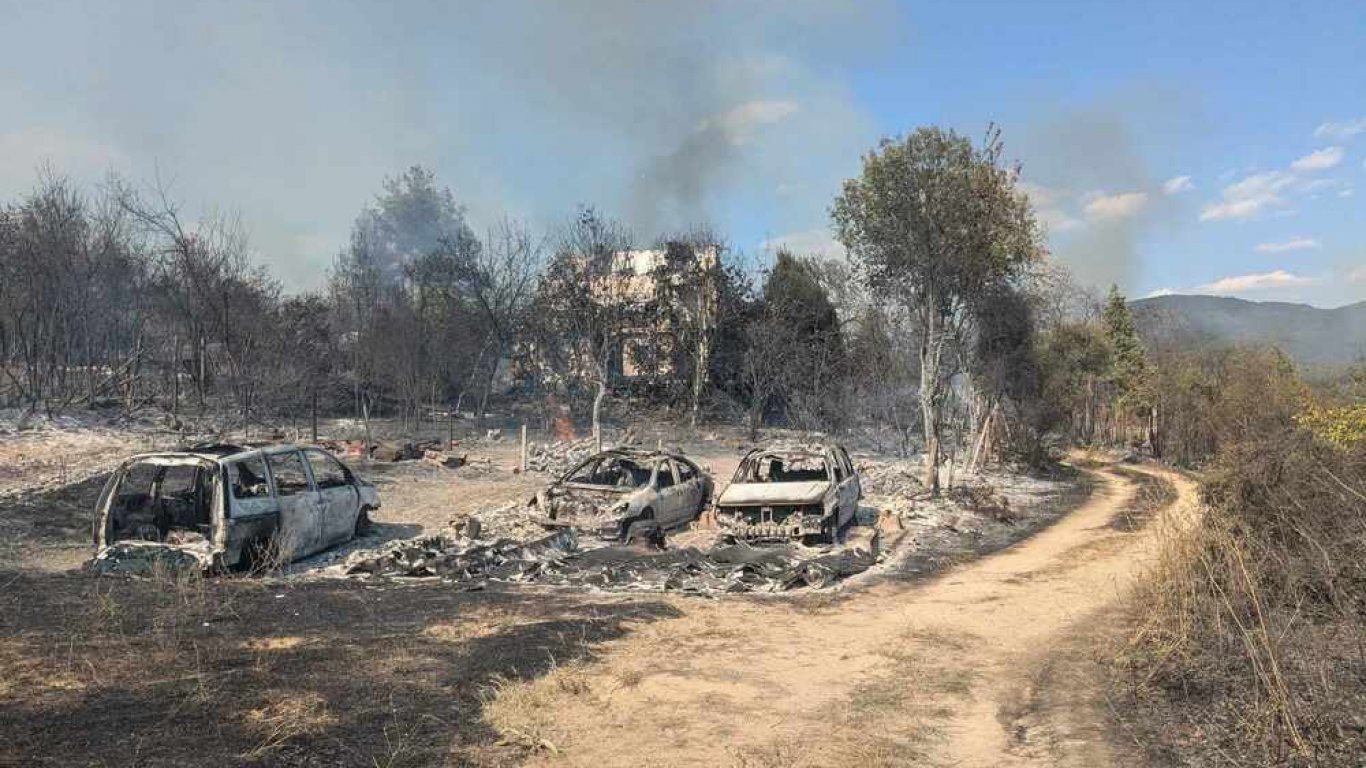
(644, 532)
(363, 522)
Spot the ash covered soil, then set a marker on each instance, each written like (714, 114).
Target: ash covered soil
(310, 667)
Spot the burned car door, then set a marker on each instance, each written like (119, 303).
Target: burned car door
(849, 486)
(301, 524)
(694, 487)
(668, 494)
(253, 514)
(339, 497)
(853, 475)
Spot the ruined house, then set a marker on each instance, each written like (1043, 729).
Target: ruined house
(663, 305)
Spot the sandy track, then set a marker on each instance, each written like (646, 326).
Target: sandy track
(976, 668)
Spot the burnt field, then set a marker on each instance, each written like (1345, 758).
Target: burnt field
(217, 672)
(310, 666)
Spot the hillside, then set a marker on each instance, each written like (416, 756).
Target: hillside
(1309, 335)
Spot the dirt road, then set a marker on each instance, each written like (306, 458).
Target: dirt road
(984, 666)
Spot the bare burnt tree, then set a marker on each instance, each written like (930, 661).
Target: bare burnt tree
(501, 279)
(73, 298)
(215, 300)
(688, 312)
(589, 300)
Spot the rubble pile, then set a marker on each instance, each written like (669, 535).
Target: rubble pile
(464, 559)
(561, 456)
(984, 500)
(558, 560)
(509, 521)
(738, 567)
(893, 487)
(892, 478)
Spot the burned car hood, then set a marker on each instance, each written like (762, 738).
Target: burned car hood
(751, 494)
(600, 493)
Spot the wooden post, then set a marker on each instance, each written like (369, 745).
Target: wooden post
(521, 465)
(365, 420)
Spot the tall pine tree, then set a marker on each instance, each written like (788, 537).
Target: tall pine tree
(1129, 374)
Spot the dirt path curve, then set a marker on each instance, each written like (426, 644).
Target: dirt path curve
(973, 669)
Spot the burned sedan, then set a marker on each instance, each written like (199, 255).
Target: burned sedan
(609, 493)
(225, 506)
(778, 494)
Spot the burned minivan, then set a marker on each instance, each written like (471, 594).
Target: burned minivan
(605, 495)
(225, 506)
(807, 493)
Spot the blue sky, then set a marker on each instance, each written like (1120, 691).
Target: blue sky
(1190, 147)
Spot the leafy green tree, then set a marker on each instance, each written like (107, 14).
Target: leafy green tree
(809, 369)
(933, 221)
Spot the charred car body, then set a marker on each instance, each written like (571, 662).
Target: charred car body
(609, 493)
(224, 506)
(782, 494)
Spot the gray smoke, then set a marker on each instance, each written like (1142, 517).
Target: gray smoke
(666, 114)
(693, 99)
(1077, 157)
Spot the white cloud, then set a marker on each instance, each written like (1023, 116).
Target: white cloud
(811, 242)
(1265, 281)
(1120, 206)
(738, 123)
(1177, 185)
(1356, 275)
(1298, 244)
(1346, 192)
(1319, 160)
(1248, 197)
(1345, 129)
(1160, 292)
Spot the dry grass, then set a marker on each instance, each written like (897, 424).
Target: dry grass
(1249, 645)
(283, 717)
(525, 714)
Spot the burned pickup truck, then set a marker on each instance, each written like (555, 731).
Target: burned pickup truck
(620, 493)
(225, 506)
(779, 494)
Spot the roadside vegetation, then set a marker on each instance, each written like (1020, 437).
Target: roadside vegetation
(1248, 636)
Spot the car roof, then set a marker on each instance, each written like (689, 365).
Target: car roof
(221, 452)
(814, 450)
(639, 453)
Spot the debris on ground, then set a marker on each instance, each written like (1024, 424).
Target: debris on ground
(560, 456)
(557, 559)
(138, 558)
(444, 459)
(509, 521)
(460, 558)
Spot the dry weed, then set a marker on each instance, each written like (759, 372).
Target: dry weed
(284, 717)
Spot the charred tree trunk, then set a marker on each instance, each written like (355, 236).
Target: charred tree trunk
(931, 347)
(597, 411)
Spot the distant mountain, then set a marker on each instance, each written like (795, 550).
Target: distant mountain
(1309, 335)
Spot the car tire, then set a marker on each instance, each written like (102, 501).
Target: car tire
(363, 522)
(644, 532)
